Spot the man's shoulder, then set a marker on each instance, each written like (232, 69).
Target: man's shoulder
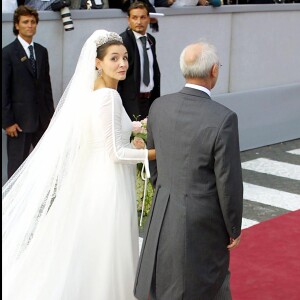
(164, 99)
(39, 46)
(221, 107)
(150, 36)
(10, 45)
(123, 34)
(211, 106)
(210, 103)
(126, 34)
(16, 43)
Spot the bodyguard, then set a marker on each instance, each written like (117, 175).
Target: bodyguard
(142, 84)
(27, 102)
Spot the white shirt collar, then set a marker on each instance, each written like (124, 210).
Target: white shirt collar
(198, 87)
(24, 43)
(138, 35)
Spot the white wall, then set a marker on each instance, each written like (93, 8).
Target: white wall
(258, 47)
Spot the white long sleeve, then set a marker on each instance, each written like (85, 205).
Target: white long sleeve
(111, 117)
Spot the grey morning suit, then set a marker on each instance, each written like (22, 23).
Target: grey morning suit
(197, 205)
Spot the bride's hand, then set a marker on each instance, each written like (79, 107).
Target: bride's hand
(138, 143)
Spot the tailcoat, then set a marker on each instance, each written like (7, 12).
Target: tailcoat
(197, 204)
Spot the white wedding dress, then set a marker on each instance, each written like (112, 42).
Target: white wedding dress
(86, 247)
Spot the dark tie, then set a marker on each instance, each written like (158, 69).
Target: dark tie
(146, 75)
(32, 60)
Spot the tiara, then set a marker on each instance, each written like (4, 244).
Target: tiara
(109, 37)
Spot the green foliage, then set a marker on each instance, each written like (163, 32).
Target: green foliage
(140, 183)
(140, 132)
(142, 135)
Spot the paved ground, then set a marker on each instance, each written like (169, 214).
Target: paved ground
(274, 171)
(271, 177)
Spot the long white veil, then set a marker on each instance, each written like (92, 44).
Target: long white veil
(29, 193)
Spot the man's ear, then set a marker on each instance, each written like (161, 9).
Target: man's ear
(214, 71)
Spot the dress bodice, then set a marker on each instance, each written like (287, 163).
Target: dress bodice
(101, 100)
(109, 127)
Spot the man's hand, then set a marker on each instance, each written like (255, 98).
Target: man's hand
(234, 243)
(153, 20)
(12, 130)
(203, 2)
(170, 2)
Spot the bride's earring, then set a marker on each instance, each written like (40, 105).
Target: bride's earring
(99, 71)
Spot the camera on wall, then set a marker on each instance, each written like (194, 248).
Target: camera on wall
(63, 7)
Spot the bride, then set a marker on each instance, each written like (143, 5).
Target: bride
(69, 212)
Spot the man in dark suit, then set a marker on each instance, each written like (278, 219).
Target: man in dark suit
(142, 84)
(196, 211)
(27, 102)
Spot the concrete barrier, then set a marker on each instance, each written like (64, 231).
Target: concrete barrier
(258, 46)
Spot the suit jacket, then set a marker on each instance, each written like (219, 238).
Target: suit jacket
(161, 3)
(26, 99)
(197, 204)
(130, 87)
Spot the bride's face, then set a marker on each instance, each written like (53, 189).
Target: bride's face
(115, 63)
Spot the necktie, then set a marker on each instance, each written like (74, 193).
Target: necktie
(32, 60)
(146, 75)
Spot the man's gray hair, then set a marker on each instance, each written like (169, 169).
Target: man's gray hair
(200, 65)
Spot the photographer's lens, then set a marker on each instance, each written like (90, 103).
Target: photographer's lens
(67, 19)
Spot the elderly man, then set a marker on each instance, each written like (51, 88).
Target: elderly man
(196, 212)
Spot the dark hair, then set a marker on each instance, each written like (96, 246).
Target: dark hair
(138, 4)
(23, 10)
(102, 50)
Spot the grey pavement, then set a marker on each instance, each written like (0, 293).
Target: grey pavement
(277, 152)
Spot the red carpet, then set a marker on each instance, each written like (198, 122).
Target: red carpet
(266, 264)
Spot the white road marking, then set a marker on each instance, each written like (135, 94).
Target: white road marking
(272, 167)
(295, 151)
(271, 197)
(248, 223)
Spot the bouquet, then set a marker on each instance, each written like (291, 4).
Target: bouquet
(139, 138)
(139, 131)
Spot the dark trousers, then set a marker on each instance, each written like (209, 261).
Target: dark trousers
(224, 293)
(144, 106)
(18, 148)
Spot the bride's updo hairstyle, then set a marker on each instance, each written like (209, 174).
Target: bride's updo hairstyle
(111, 39)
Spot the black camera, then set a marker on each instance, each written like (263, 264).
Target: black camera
(63, 7)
